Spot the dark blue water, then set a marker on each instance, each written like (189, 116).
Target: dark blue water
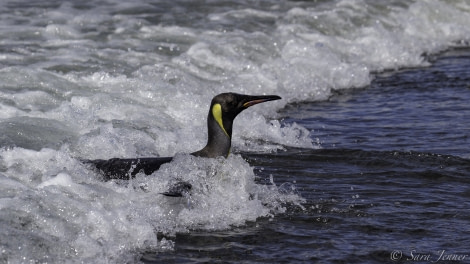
(383, 165)
(413, 110)
(389, 184)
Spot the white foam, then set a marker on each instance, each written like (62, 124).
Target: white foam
(108, 81)
(62, 179)
(89, 219)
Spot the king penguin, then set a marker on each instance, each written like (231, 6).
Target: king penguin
(222, 112)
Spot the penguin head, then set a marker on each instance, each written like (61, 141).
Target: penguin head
(226, 106)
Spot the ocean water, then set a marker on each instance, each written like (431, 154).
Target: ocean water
(364, 160)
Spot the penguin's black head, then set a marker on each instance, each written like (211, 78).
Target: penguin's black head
(226, 106)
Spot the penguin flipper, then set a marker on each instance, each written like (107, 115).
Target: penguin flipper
(178, 189)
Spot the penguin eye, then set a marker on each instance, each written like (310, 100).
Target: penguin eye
(232, 104)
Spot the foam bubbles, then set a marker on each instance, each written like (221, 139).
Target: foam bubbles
(107, 79)
(75, 215)
(62, 179)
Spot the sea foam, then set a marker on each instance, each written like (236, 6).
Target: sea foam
(107, 79)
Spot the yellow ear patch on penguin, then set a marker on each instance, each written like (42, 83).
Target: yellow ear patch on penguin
(217, 114)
